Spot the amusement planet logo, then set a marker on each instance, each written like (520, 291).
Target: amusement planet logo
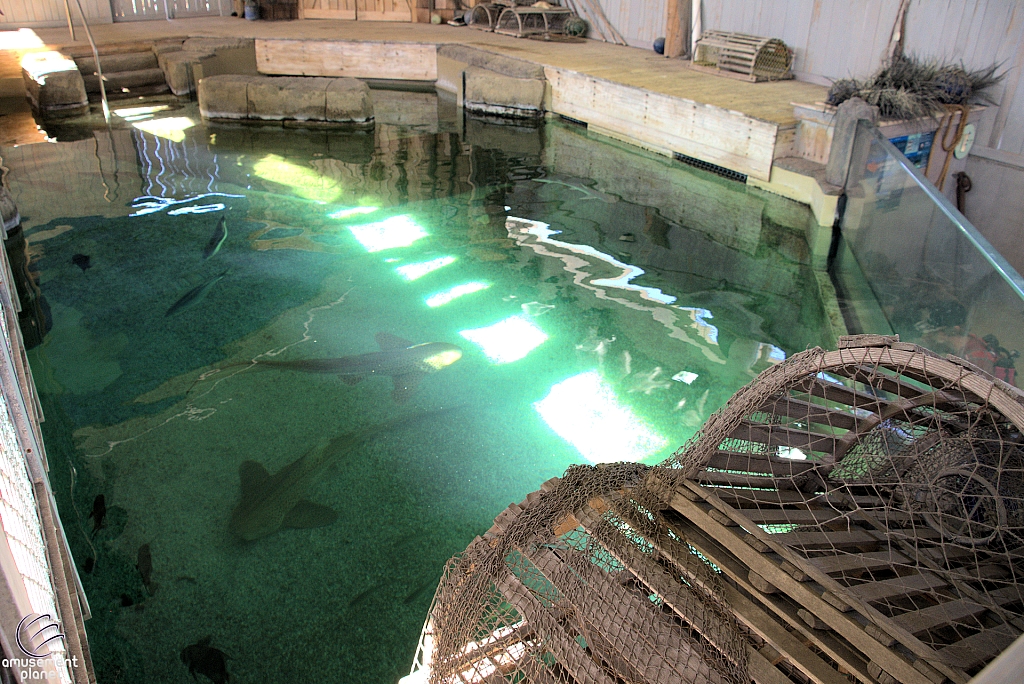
(30, 630)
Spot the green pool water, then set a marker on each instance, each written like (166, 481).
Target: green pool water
(605, 302)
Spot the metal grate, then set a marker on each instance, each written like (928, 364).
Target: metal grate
(708, 166)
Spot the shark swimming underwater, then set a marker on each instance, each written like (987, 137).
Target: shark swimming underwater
(273, 502)
(404, 361)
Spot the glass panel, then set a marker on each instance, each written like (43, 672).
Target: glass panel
(911, 264)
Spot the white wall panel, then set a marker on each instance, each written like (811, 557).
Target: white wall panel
(843, 38)
(43, 13)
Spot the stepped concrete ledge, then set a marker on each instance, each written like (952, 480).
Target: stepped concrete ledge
(309, 100)
(54, 85)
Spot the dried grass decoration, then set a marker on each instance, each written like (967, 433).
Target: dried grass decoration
(911, 88)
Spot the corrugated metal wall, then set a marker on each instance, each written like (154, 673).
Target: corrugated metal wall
(638, 22)
(43, 13)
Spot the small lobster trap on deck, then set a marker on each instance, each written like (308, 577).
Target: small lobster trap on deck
(738, 55)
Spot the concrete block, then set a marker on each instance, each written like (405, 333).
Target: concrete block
(506, 66)
(348, 101)
(203, 44)
(170, 45)
(288, 97)
(224, 97)
(177, 68)
(131, 61)
(54, 85)
(841, 150)
(488, 92)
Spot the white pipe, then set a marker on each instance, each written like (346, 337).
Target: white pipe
(696, 28)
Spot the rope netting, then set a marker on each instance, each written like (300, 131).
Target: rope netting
(877, 497)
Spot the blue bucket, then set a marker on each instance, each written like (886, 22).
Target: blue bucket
(252, 12)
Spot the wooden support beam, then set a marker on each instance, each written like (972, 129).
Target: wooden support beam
(677, 27)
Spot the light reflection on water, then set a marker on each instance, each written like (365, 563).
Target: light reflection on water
(628, 279)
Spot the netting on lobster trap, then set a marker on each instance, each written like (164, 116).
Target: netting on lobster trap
(853, 515)
(893, 480)
(581, 583)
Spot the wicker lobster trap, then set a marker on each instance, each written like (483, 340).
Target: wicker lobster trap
(854, 515)
(484, 16)
(742, 56)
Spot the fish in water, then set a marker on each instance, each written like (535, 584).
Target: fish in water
(220, 234)
(269, 503)
(99, 512)
(202, 658)
(144, 564)
(420, 589)
(404, 361)
(82, 261)
(195, 295)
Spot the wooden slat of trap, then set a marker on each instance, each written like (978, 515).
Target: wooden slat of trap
(777, 516)
(778, 435)
(858, 562)
(841, 394)
(569, 654)
(799, 409)
(781, 605)
(841, 622)
(980, 647)
(897, 587)
(758, 463)
(856, 538)
(852, 631)
(622, 611)
(740, 498)
(947, 613)
(736, 480)
(676, 595)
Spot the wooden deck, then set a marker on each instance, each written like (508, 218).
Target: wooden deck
(625, 65)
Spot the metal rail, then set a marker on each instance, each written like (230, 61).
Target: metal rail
(95, 56)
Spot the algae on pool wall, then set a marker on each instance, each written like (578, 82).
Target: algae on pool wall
(594, 269)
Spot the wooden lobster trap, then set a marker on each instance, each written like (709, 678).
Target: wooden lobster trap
(484, 16)
(742, 56)
(849, 516)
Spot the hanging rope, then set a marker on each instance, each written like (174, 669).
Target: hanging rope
(949, 144)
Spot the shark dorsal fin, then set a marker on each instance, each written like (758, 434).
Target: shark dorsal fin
(308, 514)
(253, 477)
(387, 342)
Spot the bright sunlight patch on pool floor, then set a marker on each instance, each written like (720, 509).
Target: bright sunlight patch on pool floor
(397, 231)
(585, 412)
(508, 340)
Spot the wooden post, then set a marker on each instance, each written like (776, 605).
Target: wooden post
(677, 27)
